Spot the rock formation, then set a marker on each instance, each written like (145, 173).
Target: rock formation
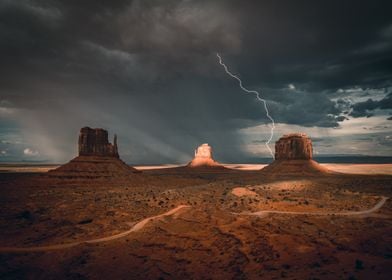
(97, 158)
(293, 156)
(203, 157)
(94, 142)
(293, 146)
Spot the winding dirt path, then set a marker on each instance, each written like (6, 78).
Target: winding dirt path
(138, 226)
(349, 213)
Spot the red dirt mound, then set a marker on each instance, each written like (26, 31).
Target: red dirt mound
(295, 167)
(93, 167)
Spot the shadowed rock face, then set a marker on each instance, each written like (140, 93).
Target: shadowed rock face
(94, 142)
(97, 158)
(294, 146)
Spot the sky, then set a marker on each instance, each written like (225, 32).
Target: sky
(148, 71)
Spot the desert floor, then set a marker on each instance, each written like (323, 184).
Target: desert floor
(175, 223)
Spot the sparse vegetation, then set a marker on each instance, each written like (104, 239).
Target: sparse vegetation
(43, 212)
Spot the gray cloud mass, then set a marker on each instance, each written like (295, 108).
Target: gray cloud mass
(147, 70)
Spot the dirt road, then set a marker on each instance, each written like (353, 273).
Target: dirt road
(349, 213)
(136, 227)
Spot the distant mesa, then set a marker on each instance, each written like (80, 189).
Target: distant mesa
(98, 158)
(203, 157)
(293, 156)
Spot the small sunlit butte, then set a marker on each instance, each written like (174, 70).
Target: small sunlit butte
(203, 157)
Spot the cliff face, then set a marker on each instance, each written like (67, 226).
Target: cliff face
(293, 157)
(98, 159)
(203, 157)
(94, 142)
(294, 146)
(203, 152)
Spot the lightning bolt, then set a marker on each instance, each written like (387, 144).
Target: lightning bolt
(258, 98)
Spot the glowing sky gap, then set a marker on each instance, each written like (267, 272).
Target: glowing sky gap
(258, 98)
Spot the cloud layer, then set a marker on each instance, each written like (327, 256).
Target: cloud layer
(147, 71)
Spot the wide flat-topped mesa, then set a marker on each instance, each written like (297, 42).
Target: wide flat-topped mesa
(203, 157)
(293, 156)
(94, 142)
(294, 146)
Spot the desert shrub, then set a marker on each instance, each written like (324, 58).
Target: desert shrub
(358, 264)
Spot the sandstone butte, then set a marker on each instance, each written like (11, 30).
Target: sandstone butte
(203, 158)
(94, 142)
(293, 156)
(98, 158)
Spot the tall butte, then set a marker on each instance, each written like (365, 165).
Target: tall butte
(293, 156)
(94, 142)
(203, 158)
(98, 158)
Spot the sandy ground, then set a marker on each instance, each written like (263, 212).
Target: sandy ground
(338, 167)
(138, 226)
(341, 167)
(361, 168)
(23, 168)
(243, 192)
(322, 227)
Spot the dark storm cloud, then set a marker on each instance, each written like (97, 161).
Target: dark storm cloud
(366, 108)
(174, 27)
(317, 44)
(148, 71)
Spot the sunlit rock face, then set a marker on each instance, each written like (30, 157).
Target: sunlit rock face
(203, 152)
(294, 146)
(293, 157)
(203, 157)
(94, 142)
